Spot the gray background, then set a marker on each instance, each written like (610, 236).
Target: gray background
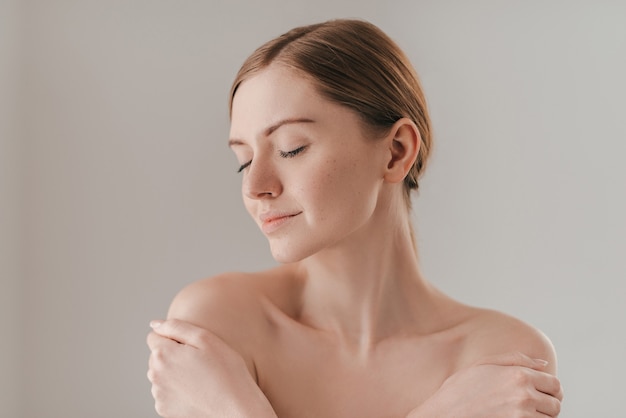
(117, 188)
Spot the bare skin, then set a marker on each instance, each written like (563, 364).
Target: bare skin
(307, 371)
(347, 326)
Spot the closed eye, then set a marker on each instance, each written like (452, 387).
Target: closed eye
(243, 166)
(293, 153)
(284, 154)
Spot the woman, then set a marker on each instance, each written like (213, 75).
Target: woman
(330, 128)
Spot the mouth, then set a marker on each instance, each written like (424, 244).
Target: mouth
(271, 221)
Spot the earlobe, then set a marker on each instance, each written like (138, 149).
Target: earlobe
(404, 142)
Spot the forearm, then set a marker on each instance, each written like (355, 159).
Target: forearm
(257, 406)
(424, 411)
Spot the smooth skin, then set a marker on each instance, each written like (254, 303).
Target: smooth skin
(347, 326)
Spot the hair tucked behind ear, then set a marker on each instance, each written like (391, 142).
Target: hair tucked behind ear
(357, 65)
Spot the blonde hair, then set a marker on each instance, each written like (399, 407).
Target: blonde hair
(355, 64)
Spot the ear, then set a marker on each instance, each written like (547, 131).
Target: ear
(404, 141)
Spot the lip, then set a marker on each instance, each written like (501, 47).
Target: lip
(273, 220)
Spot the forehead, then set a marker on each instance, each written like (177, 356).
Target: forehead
(276, 93)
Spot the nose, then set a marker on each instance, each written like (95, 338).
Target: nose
(261, 181)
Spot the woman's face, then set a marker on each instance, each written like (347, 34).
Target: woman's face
(311, 176)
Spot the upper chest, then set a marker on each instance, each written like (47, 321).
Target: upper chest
(305, 374)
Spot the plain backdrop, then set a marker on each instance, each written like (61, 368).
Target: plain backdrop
(117, 188)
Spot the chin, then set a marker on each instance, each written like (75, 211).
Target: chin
(286, 252)
(286, 256)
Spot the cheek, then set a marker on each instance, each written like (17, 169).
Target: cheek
(323, 186)
(338, 187)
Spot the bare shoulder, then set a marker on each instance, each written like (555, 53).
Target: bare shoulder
(235, 306)
(230, 305)
(209, 301)
(491, 333)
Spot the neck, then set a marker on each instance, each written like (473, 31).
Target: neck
(367, 288)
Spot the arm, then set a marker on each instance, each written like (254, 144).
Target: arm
(199, 366)
(490, 383)
(498, 387)
(194, 374)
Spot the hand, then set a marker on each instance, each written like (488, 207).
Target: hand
(504, 386)
(194, 374)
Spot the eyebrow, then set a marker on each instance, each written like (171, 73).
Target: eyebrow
(271, 129)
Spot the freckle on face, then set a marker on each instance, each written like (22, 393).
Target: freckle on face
(333, 184)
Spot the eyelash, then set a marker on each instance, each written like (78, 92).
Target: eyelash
(284, 154)
(291, 154)
(243, 166)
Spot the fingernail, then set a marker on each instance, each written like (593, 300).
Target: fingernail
(541, 361)
(155, 324)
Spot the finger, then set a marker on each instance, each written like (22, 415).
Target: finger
(548, 405)
(155, 340)
(514, 359)
(182, 332)
(548, 384)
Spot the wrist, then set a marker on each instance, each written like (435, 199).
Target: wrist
(416, 413)
(426, 410)
(258, 406)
